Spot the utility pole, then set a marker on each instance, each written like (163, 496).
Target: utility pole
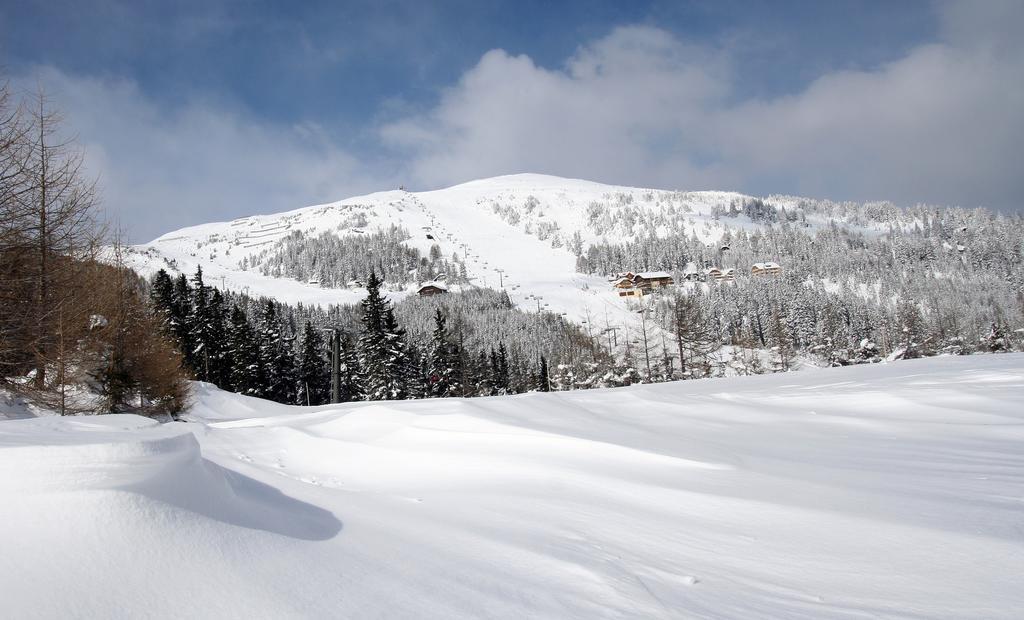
(666, 356)
(501, 278)
(647, 351)
(613, 338)
(590, 336)
(335, 365)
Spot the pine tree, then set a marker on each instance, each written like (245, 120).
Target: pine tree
(219, 360)
(403, 369)
(417, 385)
(352, 378)
(696, 335)
(269, 339)
(284, 388)
(276, 358)
(180, 311)
(913, 340)
(162, 296)
(457, 384)
(440, 370)
(782, 344)
(313, 373)
(995, 341)
(205, 335)
(500, 379)
(480, 374)
(243, 351)
(382, 353)
(543, 380)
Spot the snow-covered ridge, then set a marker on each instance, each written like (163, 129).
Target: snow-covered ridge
(522, 232)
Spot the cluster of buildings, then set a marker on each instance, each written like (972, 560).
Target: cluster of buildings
(631, 284)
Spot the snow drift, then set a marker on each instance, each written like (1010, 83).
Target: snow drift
(875, 491)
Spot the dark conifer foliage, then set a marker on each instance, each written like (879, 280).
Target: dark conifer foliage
(442, 374)
(244, 375)
(352, 377)
(314, 372)
(543, 380)
(276, 358)
(265, 358)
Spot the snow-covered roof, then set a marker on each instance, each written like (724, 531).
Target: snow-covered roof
(768, 265)
(434, 284)
(653, 275)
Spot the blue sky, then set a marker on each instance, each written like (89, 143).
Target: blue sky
(191, 111)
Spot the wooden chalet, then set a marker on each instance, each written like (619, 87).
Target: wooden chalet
(718, 274)
(622, 283)
(653, 279)
(431, 288)
(765, 269)
(631, 284)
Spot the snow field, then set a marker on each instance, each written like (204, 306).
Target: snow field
(892, 491)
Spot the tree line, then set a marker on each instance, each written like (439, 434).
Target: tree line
(255, 347)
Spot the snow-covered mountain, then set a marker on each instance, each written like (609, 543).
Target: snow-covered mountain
(522, 232)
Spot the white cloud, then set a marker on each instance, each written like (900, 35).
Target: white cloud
(942, 124)
(162, 168)
(617, 111)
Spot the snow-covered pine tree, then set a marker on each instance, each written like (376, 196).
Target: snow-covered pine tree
(352, 377)
(206, 328)
(416, 374)
(500, 379)
(382, 355)
(440, 370)
(995, 341)
(696, 334)
(543, 380)
(781, 341)
(162, 296)
(480, 376)
(245, 374)
(372, 346)
(402, 368)
(198, 322)
(220, 362)
(913, 339)
(313, 374)
(272, 358)
(180, 311)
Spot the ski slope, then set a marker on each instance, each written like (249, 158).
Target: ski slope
(884, 491)
(462, 220)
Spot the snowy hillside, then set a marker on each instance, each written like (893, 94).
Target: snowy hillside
(892, 490)
(523, 226)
